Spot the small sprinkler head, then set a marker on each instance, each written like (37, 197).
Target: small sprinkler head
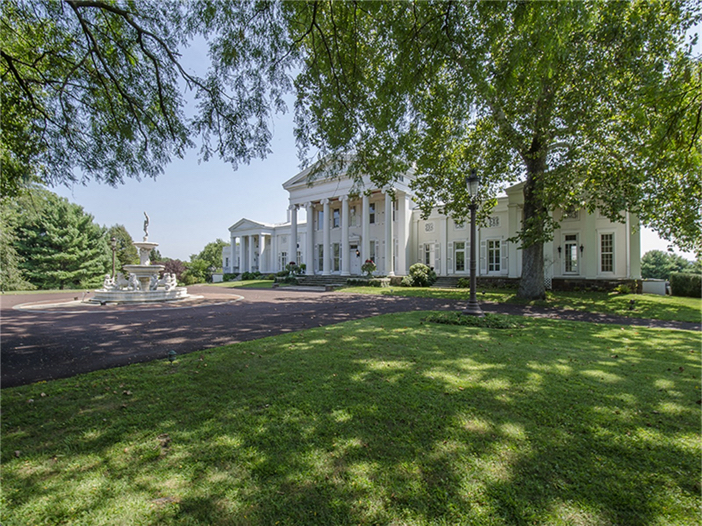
(171, 356)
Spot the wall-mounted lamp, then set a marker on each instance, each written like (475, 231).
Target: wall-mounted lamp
(358, 253)
(581, 249)
(559, 250)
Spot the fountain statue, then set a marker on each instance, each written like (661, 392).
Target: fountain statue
(142, 283)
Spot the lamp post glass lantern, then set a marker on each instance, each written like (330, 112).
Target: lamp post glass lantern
(472, 184)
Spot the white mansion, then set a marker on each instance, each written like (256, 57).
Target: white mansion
(341, 230)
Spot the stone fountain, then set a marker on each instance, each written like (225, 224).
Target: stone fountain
(143, 283)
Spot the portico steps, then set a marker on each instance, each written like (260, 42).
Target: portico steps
(446, 282)
(323, 281)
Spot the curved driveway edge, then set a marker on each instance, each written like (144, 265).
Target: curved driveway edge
(63, 342)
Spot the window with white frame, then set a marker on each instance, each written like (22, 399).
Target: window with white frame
(283, 259)
(336, 257)
(371, 213)
(372, 252)
(607, 252)
(493, 255)
(320, 219)
(320, 257)
(427, 254)
(336, 218)
(570, 213)
(352, 216)
(459, 255)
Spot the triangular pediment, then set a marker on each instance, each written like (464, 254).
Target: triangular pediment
(249, 224)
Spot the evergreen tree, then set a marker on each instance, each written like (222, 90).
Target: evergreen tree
(126, 253)
(656, 264)
(60, 245)
(11, 275)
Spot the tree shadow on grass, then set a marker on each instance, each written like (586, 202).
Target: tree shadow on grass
(385, 421)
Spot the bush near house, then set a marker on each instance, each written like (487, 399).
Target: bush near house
(420, 275)
(684, 284)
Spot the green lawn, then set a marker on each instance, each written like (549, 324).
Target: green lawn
(649, 306)
(388, 420)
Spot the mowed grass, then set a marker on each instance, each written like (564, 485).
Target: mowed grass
(388, 420)
(248, 284)
(647, 306)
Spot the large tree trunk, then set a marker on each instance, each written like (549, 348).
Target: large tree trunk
(531, 285)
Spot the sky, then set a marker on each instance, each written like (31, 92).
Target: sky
(193, 203)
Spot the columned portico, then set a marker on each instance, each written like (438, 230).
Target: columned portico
(345, 252)
(326, 239)
(389, 270)
(309, 248)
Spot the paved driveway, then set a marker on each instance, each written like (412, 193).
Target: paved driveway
(59, 342)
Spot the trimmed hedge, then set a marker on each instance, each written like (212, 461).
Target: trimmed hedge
(683, 284)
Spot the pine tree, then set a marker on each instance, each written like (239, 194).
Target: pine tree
(61, 246)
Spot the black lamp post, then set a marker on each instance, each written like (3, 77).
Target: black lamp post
(472, 182)
(113, 244)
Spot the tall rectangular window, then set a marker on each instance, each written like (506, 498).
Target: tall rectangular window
(607, 253)
(320, 219)
(283, 259)
(336, 253)
(427, 254)
(320, 257)
(493, 255)
(352, 216)
(371, 213)
(459, 248)
(336, 218)
(372, 252)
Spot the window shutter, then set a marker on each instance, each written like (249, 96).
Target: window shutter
(437, 258)
(483, 257)
(315, 259)
(504, 258)
(420, 253)
(449, 259)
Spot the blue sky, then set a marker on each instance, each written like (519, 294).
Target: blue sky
(193, 203)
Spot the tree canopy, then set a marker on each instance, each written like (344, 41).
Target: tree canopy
(93, 89)
(657, 264)
(592, 104)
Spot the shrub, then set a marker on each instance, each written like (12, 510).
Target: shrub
(623, 289)
(464, 283)
(247, 276)
(684, 284)
(357, 282)
(489, 321)
(282, 273)
(420, 275)
(379, 282)
(229, 276)
(368, 267)
(271, 277)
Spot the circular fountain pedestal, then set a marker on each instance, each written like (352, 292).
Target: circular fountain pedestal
(143, 284)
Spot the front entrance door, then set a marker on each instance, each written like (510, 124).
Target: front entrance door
(355, 267)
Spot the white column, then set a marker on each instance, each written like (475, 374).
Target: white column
(345, 254)
(402, 233)
(326, 239)
(293, 234)
(309, 248)
(250, 262)
(262, 254)
(365, 229)
(388, 236)
(273, 253)
(232, 251)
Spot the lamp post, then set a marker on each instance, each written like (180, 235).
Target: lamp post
(472, 183)
(113, 244)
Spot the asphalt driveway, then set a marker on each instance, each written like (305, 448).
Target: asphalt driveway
(58, 342)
